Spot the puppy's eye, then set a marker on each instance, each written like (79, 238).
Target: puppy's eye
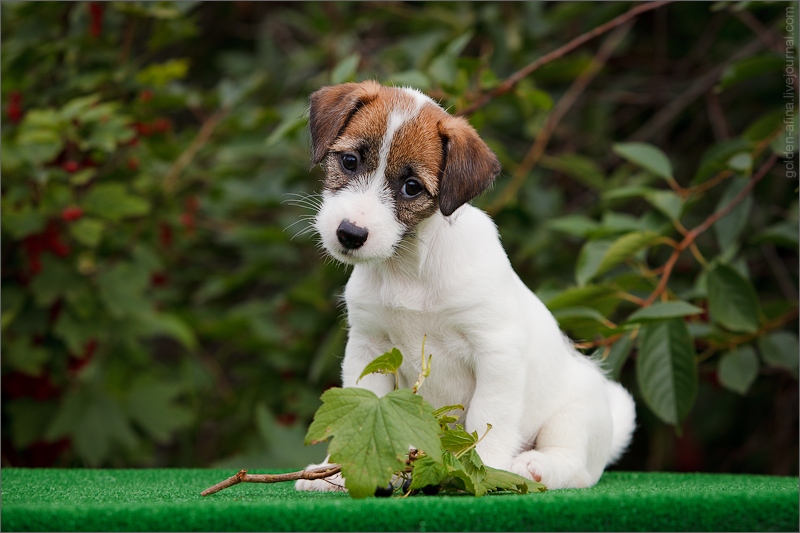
(412, 188)
(349, 162)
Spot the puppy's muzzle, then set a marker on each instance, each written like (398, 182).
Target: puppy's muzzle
(350, 235)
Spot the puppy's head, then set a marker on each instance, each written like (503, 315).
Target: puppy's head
(392, 157)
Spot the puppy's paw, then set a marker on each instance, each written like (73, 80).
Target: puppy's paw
(552, 470)
(528, 465)
(328, 484)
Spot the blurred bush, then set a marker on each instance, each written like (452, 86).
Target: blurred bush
(157, 309)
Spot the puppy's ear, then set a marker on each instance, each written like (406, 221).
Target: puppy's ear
(469, 165)
(331, 109)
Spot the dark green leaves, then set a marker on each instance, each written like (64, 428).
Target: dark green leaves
(371, 435)
(646, 156)
(732, 300)
(666, 369)
(387, 363)
(738, 369)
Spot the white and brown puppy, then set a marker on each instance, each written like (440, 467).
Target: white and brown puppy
(399, 173)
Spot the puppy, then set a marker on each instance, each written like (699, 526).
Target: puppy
(426, 264)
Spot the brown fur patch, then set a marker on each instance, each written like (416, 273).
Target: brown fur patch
(444, 153)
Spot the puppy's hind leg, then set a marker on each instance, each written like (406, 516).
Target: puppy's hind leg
(571, 449)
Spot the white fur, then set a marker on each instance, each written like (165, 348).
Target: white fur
(496, 349)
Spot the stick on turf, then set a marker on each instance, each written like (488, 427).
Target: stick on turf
(243, 477)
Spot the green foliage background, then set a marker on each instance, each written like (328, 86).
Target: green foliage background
(157, 311)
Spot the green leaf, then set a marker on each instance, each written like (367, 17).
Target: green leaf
(748, 68)
(732, 300)
(29, 420)
(783, 234)
(578, 225)
(463, 480)
(387, 363)
(154, 407)
(443, 68)
(616, 357)
(738, 369)
(371, 436)
(75, 108)
(426, 472)
(578, 167)
(568, 314)
(729, 227)
(500, 480)
(589, 259)
(411, 78)
(457, 440)
(446, 409)
(26, 221)
(22, 355)
(667, 202)
(121, 289)
(473, 466)
(779, 349)
(170, 325)
(645, 156)
(87, 231)
(56, 279)
(716, 158)
(37, 146)
(346, 69)
(574, 296)
(663, 310)
(112, 201)
(602, 257)
(666, 369)
(159, 74)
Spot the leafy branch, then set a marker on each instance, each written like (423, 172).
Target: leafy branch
(399, 436)
(518, 76)
(707, 223)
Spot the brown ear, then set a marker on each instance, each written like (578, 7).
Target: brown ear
(469, 165)
(331, 109)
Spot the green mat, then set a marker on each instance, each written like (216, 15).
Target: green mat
(169, 500)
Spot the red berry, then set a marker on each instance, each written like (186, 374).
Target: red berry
(158, 279)
(165, 235)
(96, 11)
(192, 204)
(71, 166)
(15, 107)
(187, 219)
(162, 124)
(144, 129)
(146, 95)
(286, 419)
(133, 163)
(72, 213)
(287, 375)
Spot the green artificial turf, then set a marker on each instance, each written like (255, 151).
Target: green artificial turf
(169, 500)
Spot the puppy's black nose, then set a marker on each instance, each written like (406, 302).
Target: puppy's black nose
(350, 235)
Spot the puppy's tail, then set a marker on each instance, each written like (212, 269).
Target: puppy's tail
(623, 416)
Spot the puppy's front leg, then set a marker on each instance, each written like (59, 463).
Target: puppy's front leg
(499, 387)
(360, 351)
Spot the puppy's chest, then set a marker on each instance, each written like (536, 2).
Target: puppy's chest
(452, 377)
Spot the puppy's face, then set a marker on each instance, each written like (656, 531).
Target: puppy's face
(392, 157)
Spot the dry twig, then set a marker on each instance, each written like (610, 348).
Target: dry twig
(564, 104)
(518, 76)
(243, 477)
(202, 137)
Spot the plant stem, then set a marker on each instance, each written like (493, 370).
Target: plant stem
(707, 223)
(518, 76)
(243, 477)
